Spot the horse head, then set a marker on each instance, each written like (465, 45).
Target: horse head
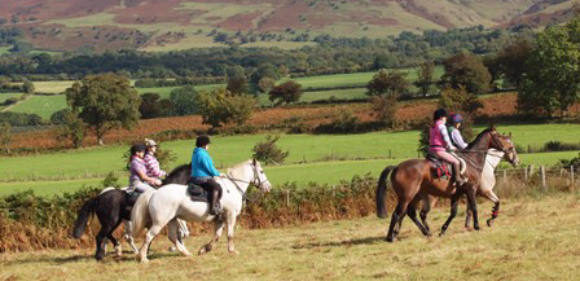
(511, 154)
(260, 180)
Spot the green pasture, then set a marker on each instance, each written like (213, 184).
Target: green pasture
(229, 150)
(165, 91)
(44, 106)
(354, 79)
(313, 158)
(4, 49)
(5, 96)
(331, 173)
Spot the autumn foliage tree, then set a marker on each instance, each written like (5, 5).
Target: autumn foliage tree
(219, 107)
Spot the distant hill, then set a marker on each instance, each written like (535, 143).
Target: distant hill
(163, 25)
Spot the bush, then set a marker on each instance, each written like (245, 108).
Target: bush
(385, 109)
(111, 180)
(268, 152)
(219, 107)
(20, 119)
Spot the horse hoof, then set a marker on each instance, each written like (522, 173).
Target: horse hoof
(172, 249)
(489, 223)
(476, 227)
(389, 239)
(144, 261)
(234, 252)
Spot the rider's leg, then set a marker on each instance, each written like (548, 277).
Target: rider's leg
(143, 187)
(443, 155)
(216, 190)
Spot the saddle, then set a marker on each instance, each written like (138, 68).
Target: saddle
(197, 193)
(442, 169)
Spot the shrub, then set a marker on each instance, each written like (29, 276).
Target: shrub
(385, 109)
(111, 180)
(268, 152)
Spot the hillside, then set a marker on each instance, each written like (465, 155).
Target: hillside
(162, 25)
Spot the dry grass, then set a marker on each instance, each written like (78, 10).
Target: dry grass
(534, 239)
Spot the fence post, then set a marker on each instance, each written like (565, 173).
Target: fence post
(543, 175)
(287, 197)
(531, 170)
(526, 174)
(572, 173)
(390, 154)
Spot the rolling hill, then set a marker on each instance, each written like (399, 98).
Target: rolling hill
(162, 25)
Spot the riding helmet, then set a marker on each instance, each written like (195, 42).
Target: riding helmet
(456, 118)
(439, 113)
(202, 141)
(137, 148)
(150, 142)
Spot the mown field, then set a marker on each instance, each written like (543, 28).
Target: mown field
(44, 106)
(312, 158)
(531, 240)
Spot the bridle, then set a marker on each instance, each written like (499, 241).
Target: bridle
(498, 143)
(252, 182)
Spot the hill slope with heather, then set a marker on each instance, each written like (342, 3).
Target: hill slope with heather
(163, 25)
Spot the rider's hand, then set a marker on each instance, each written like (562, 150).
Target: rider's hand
(155, 182)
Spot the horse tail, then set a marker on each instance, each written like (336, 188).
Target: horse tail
(140, 213)
(81, 223)
(382, 191)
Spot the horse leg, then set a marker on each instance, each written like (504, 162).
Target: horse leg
(412, 213)
(106, 230)
(428, 203)
(117, 244)
(129, 236)
(493, 198)
(473, 206)
(175, 237)
(454, 203)
(396, 221)
(153, 231)
(219, 227)
(231, 221)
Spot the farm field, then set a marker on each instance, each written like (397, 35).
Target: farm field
(44, 106)
(322, 159)
(527, 242)
(5, 96)
(4, 49)
(234, 149)
(329, 172)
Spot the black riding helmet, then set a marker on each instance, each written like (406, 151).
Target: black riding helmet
(439, 113)
(202, 141)
(137, 148)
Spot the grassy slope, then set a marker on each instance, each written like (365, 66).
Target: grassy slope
(4, 49)
(531, 240)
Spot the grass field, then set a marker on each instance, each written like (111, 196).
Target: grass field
(44, 106)
(165, 91)
(4, 49)
(312, 158)
(329, 172)
(52, 86)
(5, 96)
(531, 240)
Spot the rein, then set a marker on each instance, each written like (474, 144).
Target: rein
(244, 193)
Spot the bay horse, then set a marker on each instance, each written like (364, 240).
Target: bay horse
(164, 206)
(113, 206)
(414, 178)
(488, 181)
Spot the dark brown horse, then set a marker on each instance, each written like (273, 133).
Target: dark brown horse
(415, 178)
(492, 159)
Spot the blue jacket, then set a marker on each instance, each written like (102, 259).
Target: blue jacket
(202, 165)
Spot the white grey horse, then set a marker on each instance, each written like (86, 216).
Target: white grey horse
(166, 205)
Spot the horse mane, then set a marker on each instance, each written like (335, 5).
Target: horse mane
(479, 137)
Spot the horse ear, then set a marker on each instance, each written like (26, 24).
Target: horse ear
(254, 162)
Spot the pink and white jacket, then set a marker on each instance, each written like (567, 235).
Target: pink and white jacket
(152, 166)
(439, 138)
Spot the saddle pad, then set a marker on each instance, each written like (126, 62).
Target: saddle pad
(197, 193)
(441, 169)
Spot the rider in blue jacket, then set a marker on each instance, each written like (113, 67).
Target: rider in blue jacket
(203, 173)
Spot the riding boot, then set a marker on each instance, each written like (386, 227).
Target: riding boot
(459, 180)
(214, 207)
